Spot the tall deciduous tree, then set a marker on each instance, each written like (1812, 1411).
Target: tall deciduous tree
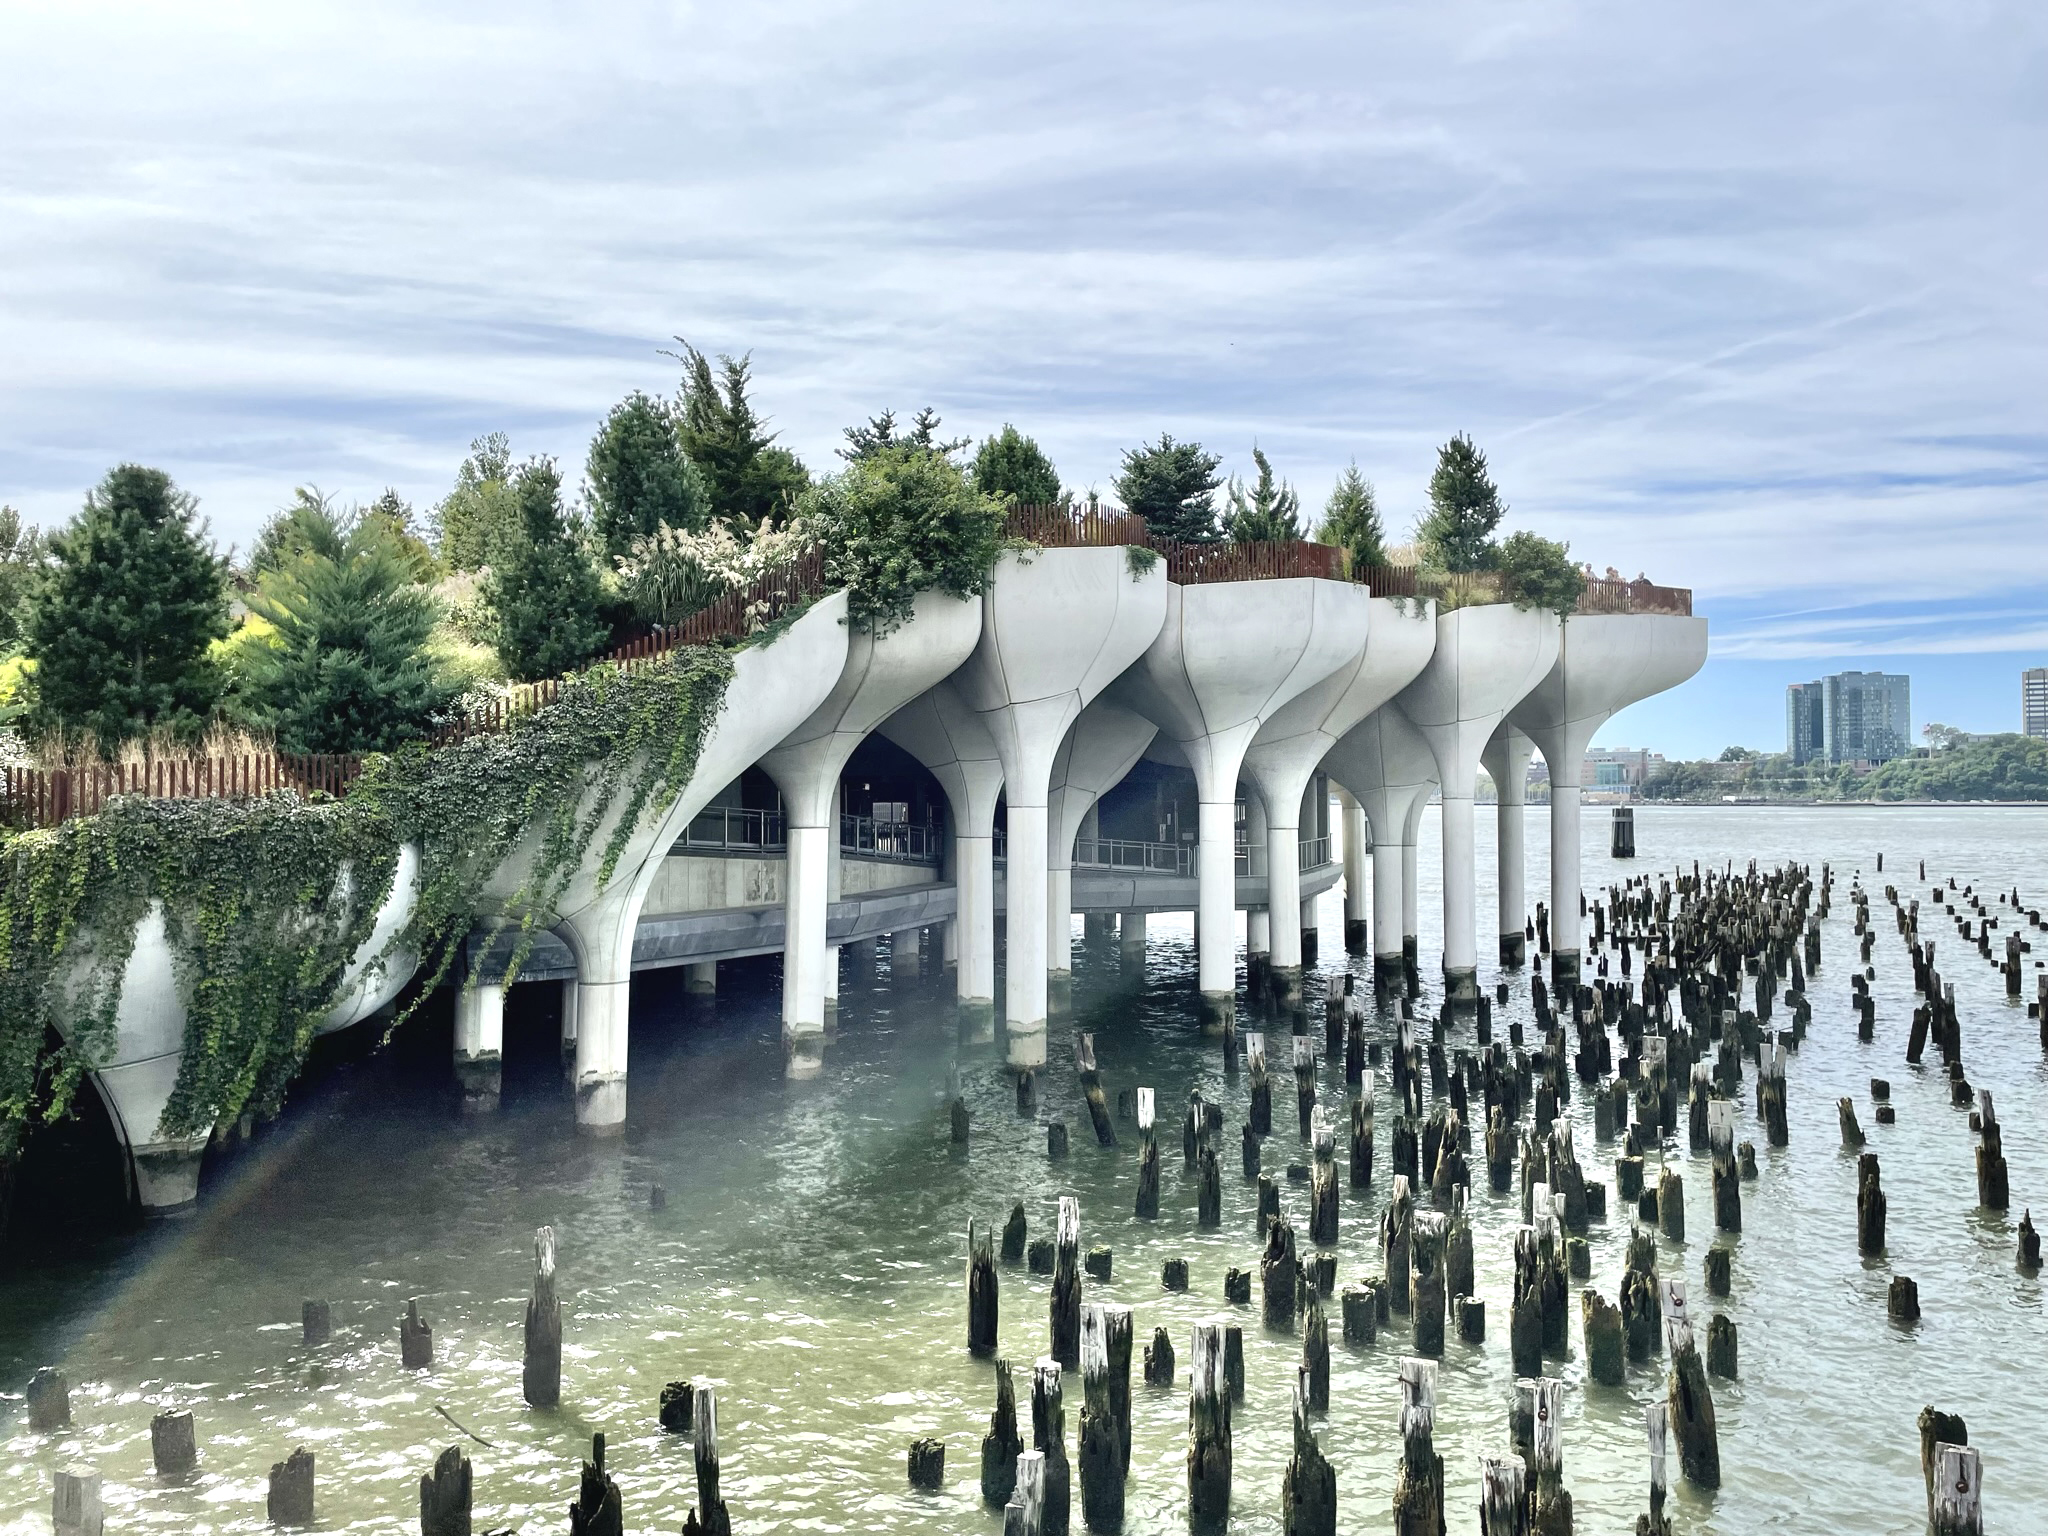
(473, 521)
(544, 589)
(1270, 511)
(347, 668)
(1014, 467)
(1351, 521)
(21, 553)
(640, 478)
(749, 477)
(1464, 509)
(1173, 487)
(120, 624)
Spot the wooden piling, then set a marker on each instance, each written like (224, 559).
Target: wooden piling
(1066, 1285)
(415, 1339)
(1870, 1206)
(75, 1504)
(1671, 1204)
(49, 1401)
(1304, 1082)
(1902, 1300)
(1690, 1401)
(1261, 1112)
(1503, 1505)
(927, 1464)
(1049, 1439)
(1014, 1233)
(1322, 1220)
(1209, 1440)
(445, 1495)
(1958, 1492)
(289, 1500)
(1148, 1158)
(1308, 1486)
(1429, 1298)
(1419, 1485)
(677, 1400)
(541, 1371)
(1361, 1135)
(173, 1444)
(1159, 1359)
(316, 1323)
(1721, 1346)
(1002, 1444)
(1600, 1323)
(982, 1290)
(1091, 1089)
(1024, 1513)
(1277, 1275)
(1938, 1429)
(709, 1518)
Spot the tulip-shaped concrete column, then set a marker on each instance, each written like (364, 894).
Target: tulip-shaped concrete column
(882, 673)
(1604, 663)
(1230, 657)
(1506, 761)
(1102, 746)
(1487, 659)
(1284, 755)
(1357, 850)
(773, 689)
(1390, 771)
(1057, 626)
(940, 731)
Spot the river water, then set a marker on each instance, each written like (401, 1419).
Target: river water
(810, 1260)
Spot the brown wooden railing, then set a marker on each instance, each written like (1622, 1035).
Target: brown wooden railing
(1458, 589)
(1634, 597)
(1194, 564)
(1073, 527)
(43, 797)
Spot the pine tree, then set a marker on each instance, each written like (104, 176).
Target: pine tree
(1014, 467)
(1269, 512)
(545, 591)
(1351, 521)
(348, 669)
(1173, 487)
(640, 478)
(21, 554)
(878, 436)
(472, 523)
(120, 624)
(749, 477)
(1464, 509)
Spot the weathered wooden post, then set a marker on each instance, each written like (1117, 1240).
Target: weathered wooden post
(444, 1495)
(290, 1498)
(1721, 1346)
(1936, 1430)
(1308, 1488)
(2030, 1244)
(1870, 1206)
(541, 1375)
(1049, 1439)
(316, 1323)
(1639, 1301)
(1105, 1413)
(1304, 1082)
(1159, 1359)
(1014, 1232)
(1958, 1492)
(1091, 1089)
(1671, 1203)
(173, 1445)
(75, 1506)
(1770, 1091)
(1261, 1116)
(927, 1464)
(49, 1401)
(1396, 1237)
(1419, 1486)
(1277, 1276)
(1691, 1403)
(1315, 1357)
(1322, 1220)
(1600, 1322)
(1001, 1445)
(1208, 1182)
(1208, 1431)
(1429, 1298)
(982, 1289)
(1148, 1159)
(1503, 1506)
(1066, 1285)
(1992, 1191)
(709, 1517)
(415, 1339)
(1551, 1513)
(598, 1510)
(1024, 1512)
(1361, 1134)
(1727, 1182)
(1657, 1420)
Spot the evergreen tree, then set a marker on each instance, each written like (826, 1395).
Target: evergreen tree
(1539, 572)
(1464, 509)
(544, 590)
(395, 512)
(120, 623)
(1268, 513)
(21, 553)
(878, 436)
(1351, 521)
(472, 523)
(749, 477)
(1173, 487)
(640, 477)
(348, 669)
(1014, 467)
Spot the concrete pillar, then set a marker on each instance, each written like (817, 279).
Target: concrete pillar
(1024, 912)
(1097, 928)
(905, 963)
(700, 979)
(602, 1010)
(1310, 922)
(1487, 659)
(1130, 935)
(1059, 919)
(1216, 914)
(1506, 761)
(167, 1175)
(569, 1017)
(480, 1044)
(974, 875)
(1357, 851)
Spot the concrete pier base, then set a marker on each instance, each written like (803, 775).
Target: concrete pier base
(480, 1045)
(701, 979)
(1219, 1012)
(1097, 928)
(1461, 986)
(905, 961)
(1357, 936)
(1130, 934)
(978, 1020)
(1059, 994)
(167, 1176)
(1564, 966)
(602, 1009)
(1514, 949)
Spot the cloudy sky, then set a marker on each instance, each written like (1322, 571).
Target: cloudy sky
(1749, 297)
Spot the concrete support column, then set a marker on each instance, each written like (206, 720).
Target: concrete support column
(1506, 760)
(1566, 926)
(1283, 911)
(167, 1175)
(1357, 851)
(1059, 920)
(480, 1044)
(974, 874)
(1461, 953)
(1309, 936)
(1130, 935)
(1391, 863)
(1024, 990)
(1216, 914)
(805, 953)
(701, 978)
(602, 1009)
(568, 1043)
(905, 963)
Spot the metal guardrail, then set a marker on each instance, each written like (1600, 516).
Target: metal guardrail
(903, 842)
(1314, 852)
(729, 829)
(1124, 853)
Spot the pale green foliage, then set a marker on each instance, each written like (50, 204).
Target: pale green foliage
(639, 477)
(673, 572)
(473, 522)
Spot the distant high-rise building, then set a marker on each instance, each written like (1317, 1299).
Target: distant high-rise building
(2034, 701)
(1805, 738)
(1851, 717)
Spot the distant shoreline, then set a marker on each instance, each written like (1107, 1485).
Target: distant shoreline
(1839, 805)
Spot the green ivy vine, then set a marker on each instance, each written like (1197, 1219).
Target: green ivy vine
(265, 901)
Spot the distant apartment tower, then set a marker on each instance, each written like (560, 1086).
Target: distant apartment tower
(1805, 712)
(2034, 701)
